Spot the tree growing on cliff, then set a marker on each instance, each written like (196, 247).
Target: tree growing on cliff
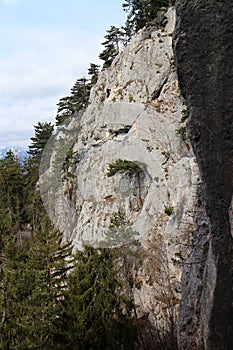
(114, 38)
(143, 12)
(132, 169)
(94, 72)
(76, 101)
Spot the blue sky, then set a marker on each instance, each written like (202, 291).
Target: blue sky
(45, 46)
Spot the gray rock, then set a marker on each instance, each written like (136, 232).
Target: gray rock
(139, 120)
(203, 51)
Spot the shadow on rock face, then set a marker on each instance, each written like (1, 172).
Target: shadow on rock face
(203, 52)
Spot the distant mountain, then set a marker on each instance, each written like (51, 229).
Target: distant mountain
(20, 152)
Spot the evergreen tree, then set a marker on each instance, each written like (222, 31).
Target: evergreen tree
(112, 44)
(11, 189)
(80, 93)
(94, 305)
(33, 206)
(143, 12)
(32, 288)
(130, 168)
(43, 131)
(64, 111)
(94, 72)
(49, 263)
(15, 289)
(76, 102)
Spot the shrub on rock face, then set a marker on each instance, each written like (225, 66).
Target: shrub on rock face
(123, 166)
(131, 168)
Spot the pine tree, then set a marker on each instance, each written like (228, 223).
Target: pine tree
(33, 283)
(15, 288)
(143, 12)
(132, 169)
(32, 201)
(43, 132)
(94, 72)
(33, 208)
(80, 93)
(75, 102)
(48, 263)
(64, 111)
(11, 188)
(112, 44)
(94, 305)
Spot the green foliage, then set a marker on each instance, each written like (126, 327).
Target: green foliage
(169, 210)
(78, 99)
(43, 132)
(80, 94)
(11, 189)
(14, 288)
(94, 72)
(143, 12)
(33, 283)
(48, 263)
(76, 102)
(182, 133)
(118, 219)
(33, 207)
(167, 155)
(64, 111)
(185, 115)
(114, 39)
(132, 169)
(123, 166)
(96, 313)
(120, 232)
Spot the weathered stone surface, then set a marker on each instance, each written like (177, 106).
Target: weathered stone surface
(138, 121)
(204, 50)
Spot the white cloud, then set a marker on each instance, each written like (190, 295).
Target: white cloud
(46, 62)
(33, 78)
(17, 120)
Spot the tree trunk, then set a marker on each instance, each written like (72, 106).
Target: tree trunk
(138, 191)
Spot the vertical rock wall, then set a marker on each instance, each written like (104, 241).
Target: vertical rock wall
(203, 48)
(141, 120)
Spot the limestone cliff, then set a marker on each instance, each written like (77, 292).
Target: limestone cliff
(204, 50)
(136, 113)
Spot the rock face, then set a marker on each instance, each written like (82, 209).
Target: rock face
(203, 51)
(136, 113)
(139, 119)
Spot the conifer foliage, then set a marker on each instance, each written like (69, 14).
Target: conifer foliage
(11, 185)
(43, 132)
(143, 12)
(78, 99)
(97, 313)
(50, 297)
(115, 37)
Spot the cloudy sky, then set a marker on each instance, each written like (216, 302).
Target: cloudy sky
(45, 46)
